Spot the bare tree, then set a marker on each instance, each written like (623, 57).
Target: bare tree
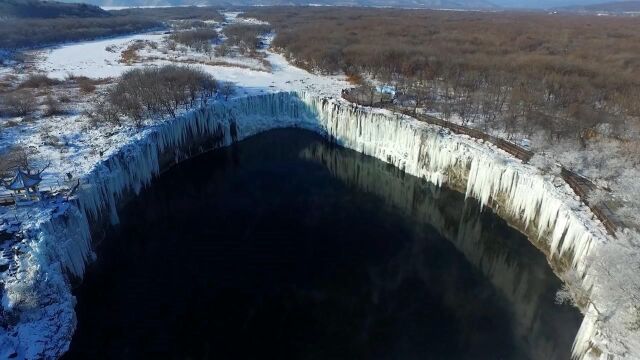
(227, 89)
(19, 102)
(614, 279)
(246, 36)
(52, 106)
(617, 263)
(103, 112)
(145, 93)
(222, 50)
(16, 157)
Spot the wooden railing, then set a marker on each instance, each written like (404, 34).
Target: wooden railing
(6, 199)
(580, 184)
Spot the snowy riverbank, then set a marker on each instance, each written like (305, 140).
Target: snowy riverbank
(53, 246)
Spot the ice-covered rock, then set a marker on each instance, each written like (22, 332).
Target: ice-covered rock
(56, 244)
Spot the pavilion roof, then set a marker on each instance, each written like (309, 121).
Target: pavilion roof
(23, 181)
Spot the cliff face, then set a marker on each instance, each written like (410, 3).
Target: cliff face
(56, 244)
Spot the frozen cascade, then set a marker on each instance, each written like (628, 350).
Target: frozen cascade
(408, 196)
(56, 243)
(420, 149)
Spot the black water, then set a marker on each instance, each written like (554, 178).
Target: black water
(286, 247)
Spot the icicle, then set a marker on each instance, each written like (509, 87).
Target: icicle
(582, 342)
(417, 148)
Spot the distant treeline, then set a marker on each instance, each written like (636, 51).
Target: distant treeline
(564, 74)
(27, 33)
(47, 9)
(174, 13)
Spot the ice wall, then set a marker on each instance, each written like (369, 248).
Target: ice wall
(417, 148)
(36, 295)
(522, 283)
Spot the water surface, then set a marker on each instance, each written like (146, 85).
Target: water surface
(287, 247)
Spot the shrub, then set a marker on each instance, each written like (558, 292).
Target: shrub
(222, 50)
(13, 158)
(103, 112)
(194, 38)
(130, 54)
(246, 37)
(19, 103)
(86, 85)
(155, 91)
(189, 24)
(52, 106)
(227, 89)
(36, 81)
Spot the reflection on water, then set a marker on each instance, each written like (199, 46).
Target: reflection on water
(287, 247)
(518, 271)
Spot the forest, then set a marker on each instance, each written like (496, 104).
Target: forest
(17, 33)
(245, 37)
(48, 9)
(569, 76)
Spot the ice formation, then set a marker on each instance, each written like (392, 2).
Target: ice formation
(513, 277)
(58, 246)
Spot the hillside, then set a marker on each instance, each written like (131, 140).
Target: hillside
(430, 4)
(47, 9)
(610, 7)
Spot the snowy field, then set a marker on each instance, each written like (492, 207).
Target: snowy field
(79, 145)
(92, 59)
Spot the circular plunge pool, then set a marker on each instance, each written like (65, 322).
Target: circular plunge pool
(285, 246)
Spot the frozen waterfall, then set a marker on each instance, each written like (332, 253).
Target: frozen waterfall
(530, 197)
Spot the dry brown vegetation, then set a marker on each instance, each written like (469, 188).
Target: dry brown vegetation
(245, 36)
(130, 54)
(39, 95)
(189, 24)
(145, 93)
(86, 84)
(197, 39)
(13, 158)
(564, 74)
(18, 103)
(36, 81)
(25, 33)
(52, 106)
(172, 13)
(21, 33)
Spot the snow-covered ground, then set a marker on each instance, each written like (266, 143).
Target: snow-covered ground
(81, 145)
(93, 59)
(611, 163)
(90, 58)
(53, 236)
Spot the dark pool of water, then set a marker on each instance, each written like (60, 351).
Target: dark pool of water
(286, 247)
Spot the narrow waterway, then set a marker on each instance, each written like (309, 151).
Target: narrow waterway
(284, 246)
